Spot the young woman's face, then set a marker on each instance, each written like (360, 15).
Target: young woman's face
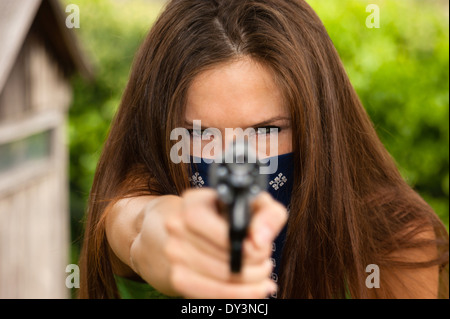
(240, 94)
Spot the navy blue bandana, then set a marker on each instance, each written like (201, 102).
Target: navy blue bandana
(279, 186)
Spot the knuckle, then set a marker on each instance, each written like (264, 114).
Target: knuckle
(279, 207)
(256, 292)
(190, 217)
(188, 193)
(198, 193)
(174, 226)
(170, 225)
(190, 196)
(177, 279)
(267, 267)
(258, 272)
(247, 291)
(261, 199)
(195, 217)
(280, 211)
(170, 250)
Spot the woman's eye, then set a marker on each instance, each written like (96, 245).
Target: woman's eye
(195, 133)
(201, 134)
(267, 130)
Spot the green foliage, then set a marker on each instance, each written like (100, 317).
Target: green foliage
(399, 70)
(110, 32)
(401, 74)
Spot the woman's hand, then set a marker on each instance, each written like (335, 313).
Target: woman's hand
(198, 248)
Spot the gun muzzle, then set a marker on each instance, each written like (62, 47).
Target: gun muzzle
(237, 179)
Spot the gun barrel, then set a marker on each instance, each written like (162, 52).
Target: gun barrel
(237, 182)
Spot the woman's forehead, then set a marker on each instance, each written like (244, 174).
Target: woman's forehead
(234, 94)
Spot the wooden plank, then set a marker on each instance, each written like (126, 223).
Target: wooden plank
(33, 241)
(34, 232)
(49, 88)
(44, 261)
(5, 207)
(61, 212)
(14, 180)
(22, 264)
(11, 180)
(14, 97)
(15, 130)
(16, 18)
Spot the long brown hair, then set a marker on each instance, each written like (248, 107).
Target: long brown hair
(350, 206)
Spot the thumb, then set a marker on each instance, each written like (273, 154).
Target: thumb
(269, 217)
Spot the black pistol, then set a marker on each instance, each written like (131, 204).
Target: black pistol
(237, 179)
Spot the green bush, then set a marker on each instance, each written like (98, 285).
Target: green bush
(399, 70)
(110, 32)
(401, 73)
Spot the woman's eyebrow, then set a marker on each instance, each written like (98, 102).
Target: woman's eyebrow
(259, 124)
(271, 121)
(191, 124)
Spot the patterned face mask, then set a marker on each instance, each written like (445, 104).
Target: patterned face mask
(279, 186)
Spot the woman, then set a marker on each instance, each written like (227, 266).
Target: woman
(260, 64)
